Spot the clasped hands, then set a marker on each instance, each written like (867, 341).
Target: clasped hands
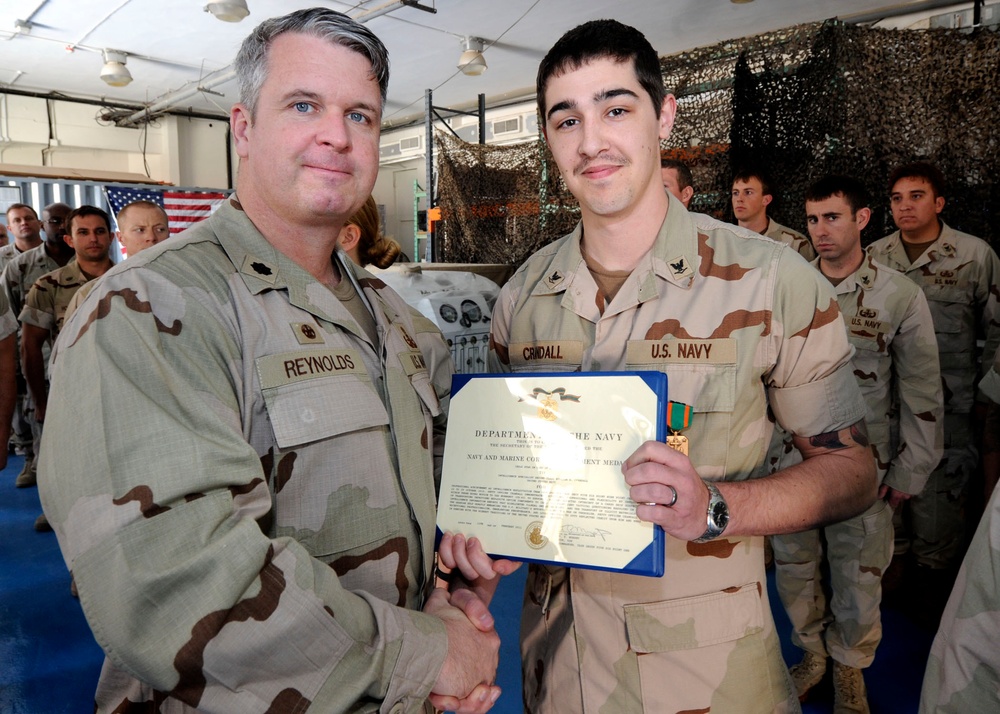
(466, 682)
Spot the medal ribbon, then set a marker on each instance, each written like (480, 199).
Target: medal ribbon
(678, 416)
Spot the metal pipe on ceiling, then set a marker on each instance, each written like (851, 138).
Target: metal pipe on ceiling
(226, 74)
(103, 103)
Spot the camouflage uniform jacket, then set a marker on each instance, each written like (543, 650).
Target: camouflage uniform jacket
(738, 323)
(8, 323)
(990, 384)
(783, 234)
(963, 669)
(46, 302)
(242, 483)
(895, 355)
(22, 272)
(960, 276)
(8, 253)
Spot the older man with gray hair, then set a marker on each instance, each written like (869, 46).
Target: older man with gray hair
(247, 499)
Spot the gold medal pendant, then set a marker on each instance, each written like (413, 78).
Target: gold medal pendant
(678, 417)
(678, 442)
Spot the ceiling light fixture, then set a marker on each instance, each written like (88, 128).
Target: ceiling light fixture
(472, 61)
(229, 11)
(114, 72)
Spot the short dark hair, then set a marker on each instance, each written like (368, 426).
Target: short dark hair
(87, 211)
(745, 174)
(851, 189)
(603, 39)
(684, 177)
(919, 169)
(13, 206)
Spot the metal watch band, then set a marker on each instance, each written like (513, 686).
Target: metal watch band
(713, 530)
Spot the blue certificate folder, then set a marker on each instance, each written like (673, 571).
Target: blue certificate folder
(532, 466)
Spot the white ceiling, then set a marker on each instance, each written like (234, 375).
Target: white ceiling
(174, 44)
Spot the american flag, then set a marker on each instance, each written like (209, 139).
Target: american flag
(184, 208)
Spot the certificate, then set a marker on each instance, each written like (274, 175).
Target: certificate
(532, 466)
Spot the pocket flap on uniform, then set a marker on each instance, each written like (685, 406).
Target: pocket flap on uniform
(693, 622)
(303, 413)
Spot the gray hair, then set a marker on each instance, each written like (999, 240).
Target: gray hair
(335, 27)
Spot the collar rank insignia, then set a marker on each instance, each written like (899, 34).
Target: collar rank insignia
(554, 279)
(679, 267)
(947, 249)
(866, 280)
(259, 269)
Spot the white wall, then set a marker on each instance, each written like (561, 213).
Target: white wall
(179, 150)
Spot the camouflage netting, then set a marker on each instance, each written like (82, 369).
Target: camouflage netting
(490, 199)
(800, 103)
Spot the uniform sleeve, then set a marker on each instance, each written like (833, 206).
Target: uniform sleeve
(39, 305)
(963, 669)
(503, 313)
(988, 298)
(440, 367)
(804, 248)
(921, 408)
(155, 495)
(990, 384)
(8, 323)
(6, 275)
(12, 284)
(811, 387)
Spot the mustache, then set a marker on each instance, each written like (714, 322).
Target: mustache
(603, 160)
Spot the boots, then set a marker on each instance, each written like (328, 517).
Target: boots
(807, 674)
(28, 475)
(849, 693)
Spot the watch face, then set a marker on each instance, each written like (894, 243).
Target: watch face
(720, 515)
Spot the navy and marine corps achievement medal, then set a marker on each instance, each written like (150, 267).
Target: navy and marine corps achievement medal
(678, 418)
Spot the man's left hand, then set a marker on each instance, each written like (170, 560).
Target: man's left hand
(654, 473)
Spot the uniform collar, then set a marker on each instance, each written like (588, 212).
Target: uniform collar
(944, 246)
(262, 267)
(673, 257)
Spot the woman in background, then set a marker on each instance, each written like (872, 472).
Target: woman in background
(362, 240)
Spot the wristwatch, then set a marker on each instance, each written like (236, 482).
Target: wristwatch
(718, 515)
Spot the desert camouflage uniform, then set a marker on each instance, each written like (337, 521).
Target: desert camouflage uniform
(738, 323)
(8, 253)
(889, 324)
(792, 238)
(21, 429)
(20, 274)
(46, 302)
(247, 500)
(960, 276)
(8, 323)
(963, 669)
